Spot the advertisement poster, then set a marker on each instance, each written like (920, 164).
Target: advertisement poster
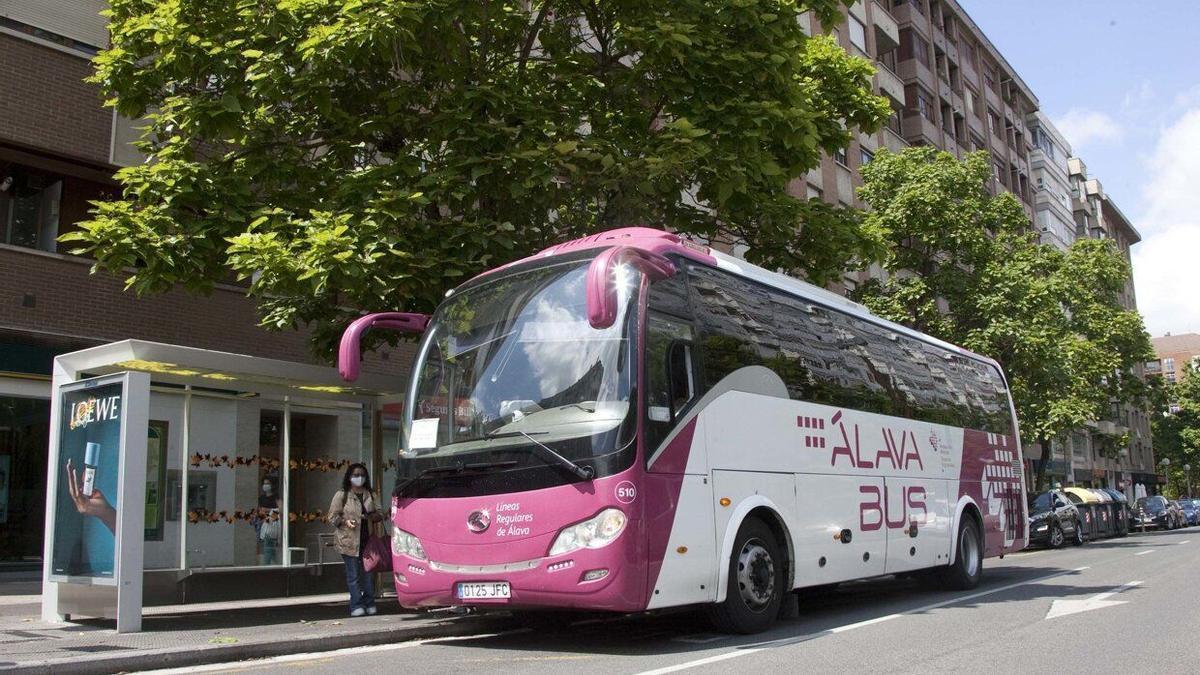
(156, 478)
(86, 504)
(5, 469)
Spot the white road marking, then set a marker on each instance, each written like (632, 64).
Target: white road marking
(1152, 550)
(1063, 607)
(257, 664)
(1185, 541)
(762, 646)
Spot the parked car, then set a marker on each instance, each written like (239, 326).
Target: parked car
(1154, 512)
(1191, 515)
(1054, 520)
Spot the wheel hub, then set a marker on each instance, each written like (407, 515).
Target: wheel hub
(756, 575)
(968, 548)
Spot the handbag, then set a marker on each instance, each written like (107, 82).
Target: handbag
(271, 528)
(377, 554)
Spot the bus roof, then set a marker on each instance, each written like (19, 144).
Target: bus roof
(666, 243)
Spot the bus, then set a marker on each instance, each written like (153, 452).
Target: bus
(632, 421)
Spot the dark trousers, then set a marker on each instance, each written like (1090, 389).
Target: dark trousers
(360, 581)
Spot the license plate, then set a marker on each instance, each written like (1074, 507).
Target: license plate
(487, 590)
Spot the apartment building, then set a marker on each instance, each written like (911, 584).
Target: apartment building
(949, 87)
(1053, 218)
(1176, 354)
(1097, 216)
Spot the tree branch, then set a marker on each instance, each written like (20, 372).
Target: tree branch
(534, 31)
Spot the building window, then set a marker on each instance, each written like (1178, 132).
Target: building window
(924, 105)
(915, 4)
(993, 123)
(840, 157)
(858, 33)
(989, 76)
(865, 156)
(29, 207)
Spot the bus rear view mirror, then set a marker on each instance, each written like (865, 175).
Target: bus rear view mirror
(604, 275)
(349, 350)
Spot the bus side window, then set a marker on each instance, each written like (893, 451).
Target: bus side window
(670, 374)
(680, 382)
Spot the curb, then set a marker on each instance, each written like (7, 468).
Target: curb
(95, 664)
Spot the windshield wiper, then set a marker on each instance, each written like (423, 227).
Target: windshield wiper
(512, 434)
(456, 468)
(583, 472)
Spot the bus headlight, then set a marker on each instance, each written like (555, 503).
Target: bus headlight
(407, 544)
(595, 532)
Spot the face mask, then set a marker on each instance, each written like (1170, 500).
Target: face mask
(267, 488)
(357, 481)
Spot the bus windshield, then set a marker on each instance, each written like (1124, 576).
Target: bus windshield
(512, 366)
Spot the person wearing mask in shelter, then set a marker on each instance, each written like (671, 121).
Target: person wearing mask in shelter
(267, 522)
(351, 512)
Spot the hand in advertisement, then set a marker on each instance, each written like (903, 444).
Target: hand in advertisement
(351, 523)
(95, 505)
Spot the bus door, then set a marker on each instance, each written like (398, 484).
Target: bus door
(838, 532)
(676, 482)
(916, 514)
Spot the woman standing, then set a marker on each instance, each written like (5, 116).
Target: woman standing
(267, 522)
(352, 510)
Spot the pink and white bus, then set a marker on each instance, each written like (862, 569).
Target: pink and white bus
(631, 421)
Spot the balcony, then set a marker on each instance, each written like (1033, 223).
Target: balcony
(893, 141)
(890, 84)
(918, 130)
(887, 31)
(906, 13)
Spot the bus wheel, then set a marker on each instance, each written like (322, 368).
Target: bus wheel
(964, 573)
(755, 588)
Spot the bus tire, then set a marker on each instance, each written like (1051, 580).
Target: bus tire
(755, 582)
(966, 570)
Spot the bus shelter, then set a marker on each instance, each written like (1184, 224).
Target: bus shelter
(242, 457)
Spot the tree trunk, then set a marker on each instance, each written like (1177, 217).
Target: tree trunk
(1039, 480)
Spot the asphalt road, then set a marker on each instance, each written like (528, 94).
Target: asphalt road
(1119, 605)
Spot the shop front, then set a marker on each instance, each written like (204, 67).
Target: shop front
(243, 455)
(24, 434)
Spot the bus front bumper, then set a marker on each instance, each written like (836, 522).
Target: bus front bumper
(599, 579)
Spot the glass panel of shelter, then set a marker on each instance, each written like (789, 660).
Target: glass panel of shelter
(322, 443)
(240, 508)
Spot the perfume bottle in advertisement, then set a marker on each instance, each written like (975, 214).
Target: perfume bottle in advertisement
(91, 457)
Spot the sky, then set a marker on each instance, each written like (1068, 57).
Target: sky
(1121, 80)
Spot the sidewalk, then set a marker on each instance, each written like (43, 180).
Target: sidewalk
(189, 635)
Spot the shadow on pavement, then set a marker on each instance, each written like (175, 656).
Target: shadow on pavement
(820, 613)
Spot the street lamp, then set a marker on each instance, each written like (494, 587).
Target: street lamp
(1166, 465)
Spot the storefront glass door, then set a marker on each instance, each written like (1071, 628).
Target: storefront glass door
(24, 437)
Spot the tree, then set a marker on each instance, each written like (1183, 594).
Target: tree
(964, 266)
(1177, 430)
(349, 155)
